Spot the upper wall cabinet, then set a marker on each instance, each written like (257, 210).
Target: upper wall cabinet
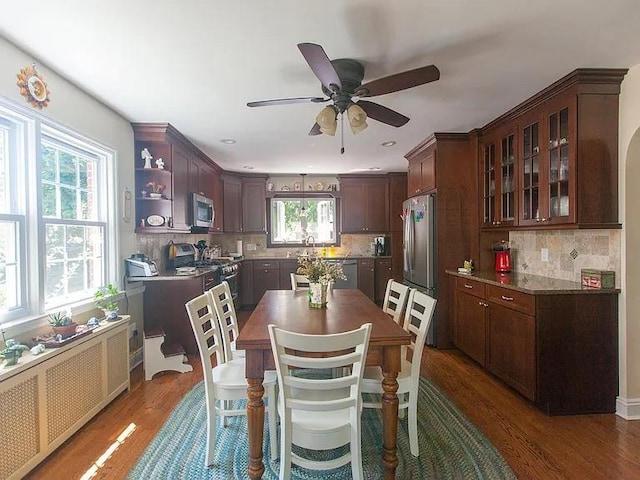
(185, 170)
(498, 177)
(421, 173)
(565, 141)
(245, 204)
(365, 203)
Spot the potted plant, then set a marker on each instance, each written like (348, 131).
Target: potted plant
(106, 299)
(320, 274)
(62, 324)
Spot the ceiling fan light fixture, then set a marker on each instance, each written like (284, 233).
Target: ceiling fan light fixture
(327, 120)
(357, 118)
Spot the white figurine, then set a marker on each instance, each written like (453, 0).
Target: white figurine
(160, 163)
(146, 156)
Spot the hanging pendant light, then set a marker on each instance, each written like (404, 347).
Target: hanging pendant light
(303, 210)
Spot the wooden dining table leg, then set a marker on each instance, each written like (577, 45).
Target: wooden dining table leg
(390, 369)
(255, 425)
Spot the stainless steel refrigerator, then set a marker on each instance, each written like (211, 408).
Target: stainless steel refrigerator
(419, 248)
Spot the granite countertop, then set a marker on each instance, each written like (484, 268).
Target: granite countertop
(337, 257)
(170, 275)
(532, 284)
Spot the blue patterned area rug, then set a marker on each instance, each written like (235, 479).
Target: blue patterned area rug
(451, 447)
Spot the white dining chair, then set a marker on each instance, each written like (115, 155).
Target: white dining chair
(417, 319)
(395, 300)
(225, 382)
(299, 282)
(319, 412)
(223, 305)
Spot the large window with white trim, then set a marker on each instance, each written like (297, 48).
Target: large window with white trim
(54, 213)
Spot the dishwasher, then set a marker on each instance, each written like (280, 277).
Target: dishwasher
(350, 269)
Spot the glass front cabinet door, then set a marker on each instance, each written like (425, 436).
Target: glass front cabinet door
(499, 179)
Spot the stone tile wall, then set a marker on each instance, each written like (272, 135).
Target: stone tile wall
(569, 252)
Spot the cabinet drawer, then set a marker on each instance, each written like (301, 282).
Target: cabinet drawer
(383, 262)
(472, 287)
(519, 301)
(266, 264)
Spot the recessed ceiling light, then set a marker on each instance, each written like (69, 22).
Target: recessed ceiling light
(228, 141)
(248, 167)
(389, 143)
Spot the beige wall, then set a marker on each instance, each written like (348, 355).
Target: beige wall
(630, 193)
(72, 107)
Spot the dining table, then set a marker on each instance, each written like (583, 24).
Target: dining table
(346, 309)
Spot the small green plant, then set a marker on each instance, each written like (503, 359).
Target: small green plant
(106, 298)
(59, 319)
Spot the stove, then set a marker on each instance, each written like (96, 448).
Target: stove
(227, 267)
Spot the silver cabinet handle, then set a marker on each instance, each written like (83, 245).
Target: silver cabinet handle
(466, 285)
(508, 299)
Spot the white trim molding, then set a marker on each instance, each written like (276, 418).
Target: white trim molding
(628, 408)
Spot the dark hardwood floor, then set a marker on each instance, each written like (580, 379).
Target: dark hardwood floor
(535, 446)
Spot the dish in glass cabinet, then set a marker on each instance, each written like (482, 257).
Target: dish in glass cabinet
(155, 220)
(285, 188)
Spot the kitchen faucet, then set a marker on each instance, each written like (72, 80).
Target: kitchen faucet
(313, 243)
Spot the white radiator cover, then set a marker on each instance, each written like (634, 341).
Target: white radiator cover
(46, 398)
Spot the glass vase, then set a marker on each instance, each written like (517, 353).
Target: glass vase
(318, 295)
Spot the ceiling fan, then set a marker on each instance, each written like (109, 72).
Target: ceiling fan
(341, 81)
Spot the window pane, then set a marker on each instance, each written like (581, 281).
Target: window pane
(9, 266)
(4, 169)
(67, 169)
(68, 203)
(74, 262)
(48, 200)
(49, 168)
(289, 227)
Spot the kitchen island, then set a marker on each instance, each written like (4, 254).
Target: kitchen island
(552, 340)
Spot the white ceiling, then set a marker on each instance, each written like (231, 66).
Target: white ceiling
(195, 64)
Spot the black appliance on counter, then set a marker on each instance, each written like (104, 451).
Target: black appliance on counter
(382, 246)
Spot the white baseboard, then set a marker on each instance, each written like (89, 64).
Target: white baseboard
(628, 408)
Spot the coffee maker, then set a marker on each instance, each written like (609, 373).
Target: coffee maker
(503, 256)
(382, 246)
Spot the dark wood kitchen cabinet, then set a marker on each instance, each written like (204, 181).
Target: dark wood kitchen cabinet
(232, 192)
(469, 321)
(558, 348)
(366, 277)
(365, 203)
(266, 276)
(244, 203)
(245, 283)
(421, 173)
(566, 156)
(287, 267)
(383, 272)
(498, 177)
(166, 143)
(254, 204)
(164, 306)
(456, 205)
(186, 170)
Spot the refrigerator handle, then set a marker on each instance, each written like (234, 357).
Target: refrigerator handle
(409, 234)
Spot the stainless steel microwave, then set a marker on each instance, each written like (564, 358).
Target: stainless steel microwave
(202, 211)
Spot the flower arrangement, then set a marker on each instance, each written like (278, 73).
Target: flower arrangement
(318, 270)
(155, 187)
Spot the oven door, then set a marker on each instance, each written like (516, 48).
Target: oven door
(232, 280)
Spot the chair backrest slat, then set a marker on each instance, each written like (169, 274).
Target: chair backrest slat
(225, 311)
(417, 319)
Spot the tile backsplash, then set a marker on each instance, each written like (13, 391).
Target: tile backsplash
(569, 252)
(253, 246)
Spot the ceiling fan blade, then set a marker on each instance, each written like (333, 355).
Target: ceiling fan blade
(383, 114)
(315, 130)
(286, 101)
(399, 81)
(320, 64)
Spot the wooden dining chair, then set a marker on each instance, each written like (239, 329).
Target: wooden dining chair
(299, 282)
(225, 311)
(225, 382)
(395, 300)
(417, 319)
(317, 411)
